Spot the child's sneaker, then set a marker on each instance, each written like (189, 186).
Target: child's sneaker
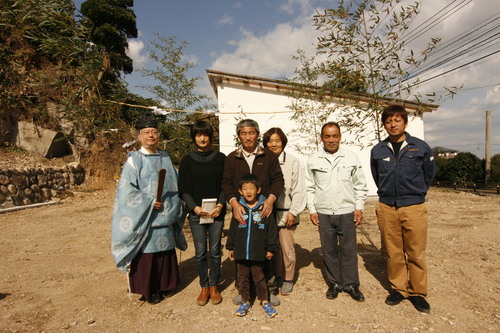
(243, 309)
(270, 311)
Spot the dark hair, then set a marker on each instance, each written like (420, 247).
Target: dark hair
(202, 127)
(393, 110)
(275, 130)
(247, 123)
(249, 178)
(328, 124)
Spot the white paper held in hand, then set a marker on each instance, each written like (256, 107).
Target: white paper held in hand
(208, 205)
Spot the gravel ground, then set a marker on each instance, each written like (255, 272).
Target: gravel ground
(58, 275)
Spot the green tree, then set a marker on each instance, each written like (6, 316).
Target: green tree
(42, 49)
(172, 87)
(442, 169)
(173, 90)
(362, 61)
(308, 103)
(113, 21)
(495, 169)
(50, 74)
(465, 168)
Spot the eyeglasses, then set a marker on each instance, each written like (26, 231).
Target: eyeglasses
(150, 132)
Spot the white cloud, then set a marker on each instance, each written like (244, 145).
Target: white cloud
(257, 55)
(460, 123)
(269, 55)
(492, 98)
(135, 47)
(225, 20)
(290, 5)
(190, 58)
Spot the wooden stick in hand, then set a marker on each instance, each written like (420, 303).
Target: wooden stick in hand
(161, 180)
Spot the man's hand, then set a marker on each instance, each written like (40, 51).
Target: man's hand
(358, 216)
(238, 211)
(269, 255)
(157, 205)
(268, 206)
(230, 254)
(314, 218)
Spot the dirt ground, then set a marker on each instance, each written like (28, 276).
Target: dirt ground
(57, 275)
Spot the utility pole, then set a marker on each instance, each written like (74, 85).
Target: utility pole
(487, 147)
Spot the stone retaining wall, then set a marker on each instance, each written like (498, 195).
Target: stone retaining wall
(35, 185)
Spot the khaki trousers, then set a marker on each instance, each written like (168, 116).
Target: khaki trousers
(404, 234)
(286, 258)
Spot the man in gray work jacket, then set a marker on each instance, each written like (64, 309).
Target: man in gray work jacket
(336, 193)
(403, 168)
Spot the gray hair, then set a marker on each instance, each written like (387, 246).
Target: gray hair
(247, 123)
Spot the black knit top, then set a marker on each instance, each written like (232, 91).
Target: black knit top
(200, 175)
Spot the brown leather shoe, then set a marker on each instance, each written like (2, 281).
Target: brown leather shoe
(203, 298)
(215, 296)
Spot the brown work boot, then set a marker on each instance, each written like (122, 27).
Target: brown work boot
(203, 298)
(215, 296)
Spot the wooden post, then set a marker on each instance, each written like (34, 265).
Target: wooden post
(488, 148)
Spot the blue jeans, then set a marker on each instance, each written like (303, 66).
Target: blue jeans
(200, 232)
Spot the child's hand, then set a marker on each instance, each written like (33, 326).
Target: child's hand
(230, 254)
(269, 255)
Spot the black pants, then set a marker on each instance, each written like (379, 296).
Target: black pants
(255, 269)
(338, 242)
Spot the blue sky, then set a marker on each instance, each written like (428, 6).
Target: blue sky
(259, 37)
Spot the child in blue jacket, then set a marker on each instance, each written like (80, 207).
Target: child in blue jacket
(250, 244)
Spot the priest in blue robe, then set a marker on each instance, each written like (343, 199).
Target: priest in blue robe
(147, 228)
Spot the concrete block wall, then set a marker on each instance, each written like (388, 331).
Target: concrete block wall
(28, 186)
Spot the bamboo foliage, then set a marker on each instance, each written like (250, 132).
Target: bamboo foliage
(360, 64)
(171, 84)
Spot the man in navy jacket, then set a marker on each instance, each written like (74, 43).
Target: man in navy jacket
(403, 168)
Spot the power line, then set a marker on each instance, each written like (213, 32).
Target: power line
(478, 47)
(464, 38)
(388, 14)
(483, 58)
(410, 33)
(424, 28)
(473, 88)
(467, 35)
(458, 47)
(456, 68)
(473, 41)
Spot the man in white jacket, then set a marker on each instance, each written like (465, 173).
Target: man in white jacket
(336, 193)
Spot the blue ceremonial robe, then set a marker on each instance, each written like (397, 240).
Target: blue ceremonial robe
(136, 226)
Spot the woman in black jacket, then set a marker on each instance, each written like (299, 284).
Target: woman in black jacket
(200, 174)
